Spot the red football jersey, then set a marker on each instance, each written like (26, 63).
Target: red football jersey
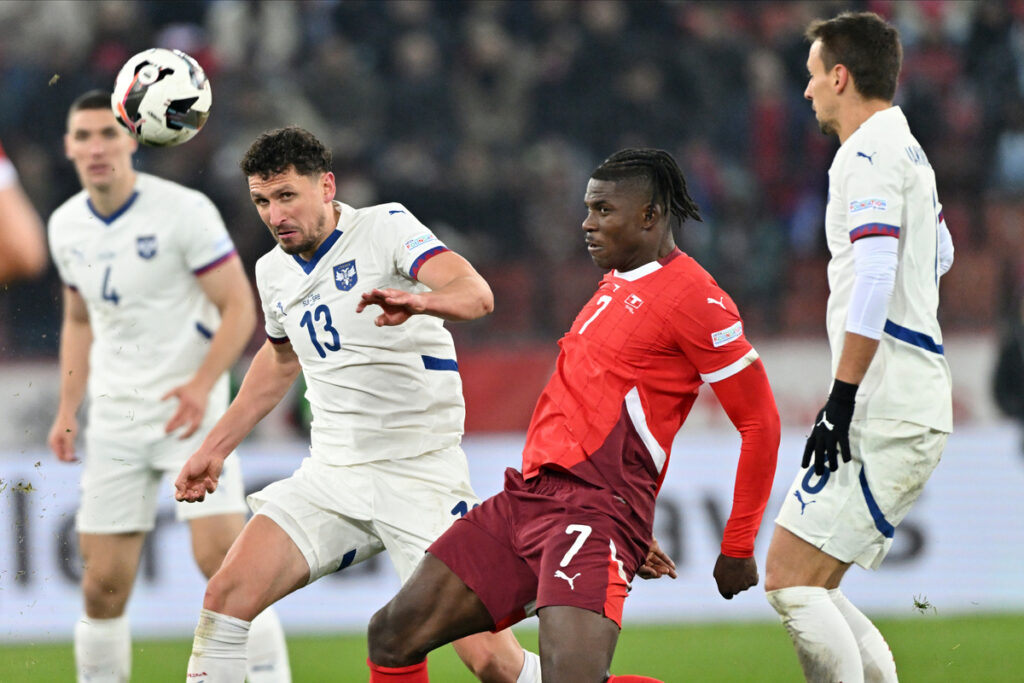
(628, 373)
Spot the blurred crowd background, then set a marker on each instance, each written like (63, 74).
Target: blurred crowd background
(486, 118)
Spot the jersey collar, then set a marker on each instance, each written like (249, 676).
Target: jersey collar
(647, 268)
(325, 246)
(117, 214)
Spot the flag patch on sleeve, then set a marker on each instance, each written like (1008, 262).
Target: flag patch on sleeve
(417, 242)
(871, 204)
(731, 333)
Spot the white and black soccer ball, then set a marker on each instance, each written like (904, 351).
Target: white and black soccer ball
(162, 97)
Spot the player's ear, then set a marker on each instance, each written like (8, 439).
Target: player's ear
(651, 214)
(840, 78)
(327, 187)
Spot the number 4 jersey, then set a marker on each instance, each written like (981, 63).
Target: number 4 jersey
(137, 272)
(376, 393)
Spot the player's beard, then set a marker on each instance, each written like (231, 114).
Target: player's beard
(315, 238)
(828, 127)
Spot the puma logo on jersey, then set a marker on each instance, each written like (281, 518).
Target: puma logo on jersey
(280, 308)
(720, 301)
(559, 574)
(868, 157)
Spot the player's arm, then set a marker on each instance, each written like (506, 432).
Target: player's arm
(22, 249)
(228, 288)
(272, 372)
(747, 399)
(75, 342)
(457, 292)
(876, 259)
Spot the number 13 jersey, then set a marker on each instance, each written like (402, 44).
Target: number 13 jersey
(376, 393)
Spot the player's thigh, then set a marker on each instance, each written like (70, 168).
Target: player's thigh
(586, 562)
(212, 536)
(417, 499)
(576, 645)
(262, 566)
(119, 488)
(110, 561)
(325, 512)
(852, 514)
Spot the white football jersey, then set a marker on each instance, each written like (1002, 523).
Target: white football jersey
(376, 393)
(881, 183)
(137, 272)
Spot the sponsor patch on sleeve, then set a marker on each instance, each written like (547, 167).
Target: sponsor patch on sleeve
(869, 204)
(731, 333)
(417, 242)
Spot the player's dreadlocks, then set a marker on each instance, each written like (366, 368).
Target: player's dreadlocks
(274, 151)
(660, 171)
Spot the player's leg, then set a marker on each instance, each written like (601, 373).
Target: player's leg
(267, 651)
(433, 608)
(262, 566)
(796, 576)
(102, 636)
(576, 645)
(420, 498)
(215, 524)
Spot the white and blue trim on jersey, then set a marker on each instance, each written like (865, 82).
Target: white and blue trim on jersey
(325, 246)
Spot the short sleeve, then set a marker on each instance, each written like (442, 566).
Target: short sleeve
(873, 186)
(708, 328)
(414, 244)
(273, 309)
(206, 239)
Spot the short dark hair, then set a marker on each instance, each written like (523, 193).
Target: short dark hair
(94, 99)
(866, 45)
(275, 151)
(660, 171)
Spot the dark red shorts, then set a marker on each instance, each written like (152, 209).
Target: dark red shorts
(541, 543)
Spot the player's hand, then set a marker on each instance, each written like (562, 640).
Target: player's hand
(735, 575)
(198, 477)
(192, 399)
(62, 438)
(398, 305)
(830, 435)
(657, 564)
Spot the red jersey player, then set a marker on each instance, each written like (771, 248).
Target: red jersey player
(567, 535)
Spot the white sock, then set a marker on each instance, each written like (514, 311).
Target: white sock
(879, 665)
(103, 650)
(825, 644)
(267, 653)
(218, 651)
(531, 668)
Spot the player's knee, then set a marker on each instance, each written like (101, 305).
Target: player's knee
(224, 595)
(389, 643)
(105, 596)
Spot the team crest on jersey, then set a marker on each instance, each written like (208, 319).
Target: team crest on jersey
(345, 275)
(146, 246)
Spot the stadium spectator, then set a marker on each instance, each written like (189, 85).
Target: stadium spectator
(569, 532)
(156, 309)
(386, 471)
(22, 251)
(890, 407)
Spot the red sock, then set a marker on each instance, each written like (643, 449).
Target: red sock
(633, 679)
(417, 673)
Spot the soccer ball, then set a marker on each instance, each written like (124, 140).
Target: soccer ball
(162, 97)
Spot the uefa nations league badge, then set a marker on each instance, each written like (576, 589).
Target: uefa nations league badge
(345, 275)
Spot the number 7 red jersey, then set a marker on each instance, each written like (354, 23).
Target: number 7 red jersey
(628, 373)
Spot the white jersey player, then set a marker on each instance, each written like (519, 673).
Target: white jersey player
(890, 407)
(386, 471)
(157, 307)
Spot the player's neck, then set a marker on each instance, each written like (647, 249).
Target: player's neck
(106, 200)
(857, 115)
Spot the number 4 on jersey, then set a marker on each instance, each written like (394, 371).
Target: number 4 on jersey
(109, 293)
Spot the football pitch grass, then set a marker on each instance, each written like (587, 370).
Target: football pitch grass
(928, 647)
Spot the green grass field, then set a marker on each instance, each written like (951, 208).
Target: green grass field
(928, 647)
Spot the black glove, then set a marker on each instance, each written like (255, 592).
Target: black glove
(831, 432)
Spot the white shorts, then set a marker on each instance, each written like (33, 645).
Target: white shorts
(121, 484)
(852, 513)
(341, 515)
